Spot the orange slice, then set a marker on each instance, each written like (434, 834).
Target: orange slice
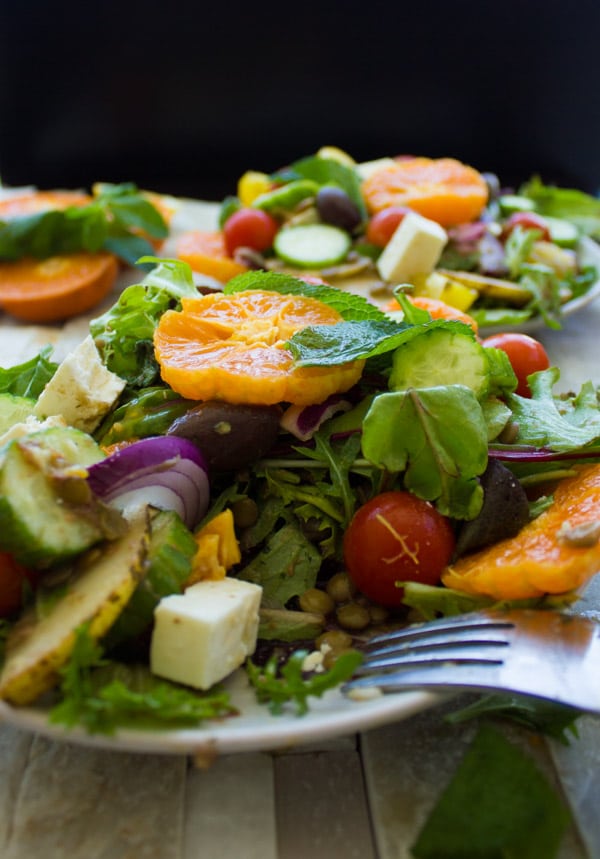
(205, 253)
(231, 347)
(443, 189)
(541, 559)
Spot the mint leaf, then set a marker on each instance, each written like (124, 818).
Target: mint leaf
(497, 806)
(113, 220)
(349, 306)
(438, 438)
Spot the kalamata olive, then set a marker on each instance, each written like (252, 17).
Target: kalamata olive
(335, 207)
(504, 512)
(230, 436)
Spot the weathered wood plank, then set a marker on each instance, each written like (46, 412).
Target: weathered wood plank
(62, 801)
(230, 809)
(321, 806)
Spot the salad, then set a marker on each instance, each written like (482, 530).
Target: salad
(509, 257)
(263, 475)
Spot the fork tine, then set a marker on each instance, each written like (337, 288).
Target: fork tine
(438, 628)
(543, 654)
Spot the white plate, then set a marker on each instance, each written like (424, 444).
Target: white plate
(254, 729)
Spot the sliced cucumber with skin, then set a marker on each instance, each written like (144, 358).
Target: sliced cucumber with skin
(511, 203)
(14, 410)
(440, 356)
(46, 515)
(312, 245)
(563, 233)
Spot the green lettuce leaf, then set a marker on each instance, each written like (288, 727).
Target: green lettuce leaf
(573, 205)
(30, 378)
(438, 438)
(560, 423)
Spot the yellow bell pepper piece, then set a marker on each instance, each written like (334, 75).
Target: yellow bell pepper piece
(251, 185)
(218, 549)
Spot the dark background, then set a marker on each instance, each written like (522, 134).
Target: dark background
(183, 97)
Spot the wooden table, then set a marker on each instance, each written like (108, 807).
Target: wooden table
(362, 796)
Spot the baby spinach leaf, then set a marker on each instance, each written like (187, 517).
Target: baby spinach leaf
(438, 438)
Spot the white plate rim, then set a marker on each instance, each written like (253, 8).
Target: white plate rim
(255, 729)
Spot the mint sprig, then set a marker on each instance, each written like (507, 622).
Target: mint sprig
(117, 220)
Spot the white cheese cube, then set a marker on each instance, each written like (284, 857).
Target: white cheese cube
(414, 248)
(82, 390)
(207, 632)
(365, 169)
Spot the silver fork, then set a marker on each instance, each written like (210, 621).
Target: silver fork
(540, 653)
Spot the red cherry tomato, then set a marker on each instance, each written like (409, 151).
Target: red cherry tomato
(383, 224)
(14, 580)
(524, 353)
(396, 537)
(528, 221)
(249, 228)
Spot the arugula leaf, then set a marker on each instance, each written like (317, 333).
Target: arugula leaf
(103, 695)
(30, 378)
(438, 438)
(108, 222)
(277, 687)
(286, 567)
(349, 306)
(517, 249)
(498, 805)
(562, 424)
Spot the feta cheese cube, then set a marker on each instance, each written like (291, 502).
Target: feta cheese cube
(414, 248)
(82, 390)
(207, 632)
(365, 169)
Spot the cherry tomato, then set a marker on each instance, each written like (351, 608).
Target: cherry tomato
(528, 221)
(249, 228)
(524, 353)
(14, 579)
(383, 224)
(396, 537)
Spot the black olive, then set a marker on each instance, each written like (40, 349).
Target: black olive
(335, 207)
(504, 512)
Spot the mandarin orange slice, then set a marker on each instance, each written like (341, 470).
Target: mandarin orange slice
(553, 554)
(231, 347)
(443, 189)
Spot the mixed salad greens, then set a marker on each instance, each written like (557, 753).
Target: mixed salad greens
(432, 418)
(514, 257)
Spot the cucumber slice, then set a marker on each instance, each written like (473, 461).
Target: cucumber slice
(312, 245)
(13, 410)
(45, 514)
(511, 203)
(169, 563)
(440, 356)
(563, 233)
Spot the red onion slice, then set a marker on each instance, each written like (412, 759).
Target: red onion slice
(165, 471)
(304, 421)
